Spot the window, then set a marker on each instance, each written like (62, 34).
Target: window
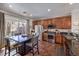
(15, 26)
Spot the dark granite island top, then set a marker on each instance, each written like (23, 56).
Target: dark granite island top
(73, 44)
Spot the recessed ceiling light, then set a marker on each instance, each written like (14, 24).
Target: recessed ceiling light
(49, 10)
(70, 3)
(10, 6)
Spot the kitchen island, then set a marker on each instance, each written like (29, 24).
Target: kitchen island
(70, 42)
(71, 45)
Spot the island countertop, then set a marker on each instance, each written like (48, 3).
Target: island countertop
(73, 44)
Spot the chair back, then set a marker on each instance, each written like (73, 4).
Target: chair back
(35, 40)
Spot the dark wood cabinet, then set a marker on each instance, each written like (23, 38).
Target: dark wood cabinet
(53, 22)
(49, 21)
(58, 39)
(59, 22)
(45, 24)
(44, 36)
(66, 23)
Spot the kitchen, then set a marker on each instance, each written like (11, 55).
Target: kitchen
(60, 24)
(56, 24)
(58, 31)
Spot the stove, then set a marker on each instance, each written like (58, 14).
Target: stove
(51, 36)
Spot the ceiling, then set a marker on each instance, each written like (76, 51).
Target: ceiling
(36, 10)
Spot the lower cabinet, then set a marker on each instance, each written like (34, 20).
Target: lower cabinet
(44, 36)
(68, 47)
(59, 38)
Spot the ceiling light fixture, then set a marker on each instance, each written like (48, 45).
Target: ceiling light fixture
(49, 10)
(10, 6)
(70, 3)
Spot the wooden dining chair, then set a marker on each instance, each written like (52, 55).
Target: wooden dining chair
(10, 46)
(33, 44)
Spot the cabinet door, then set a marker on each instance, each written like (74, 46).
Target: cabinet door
(53, 22)
(49, 21)
(67, 23)
(58, 23)
(42, 23)
(45, 36)
(45, 24)
(61, 23)
(58, 38)
(64, 23)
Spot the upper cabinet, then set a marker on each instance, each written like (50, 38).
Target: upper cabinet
(59, 22)
(49, 21)
(66, 22)
(45, 24)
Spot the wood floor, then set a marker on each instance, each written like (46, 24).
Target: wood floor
(45, 49)
(51, 49)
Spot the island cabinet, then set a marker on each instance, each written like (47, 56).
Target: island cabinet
(68, 46)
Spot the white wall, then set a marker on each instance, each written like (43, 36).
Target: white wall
(28, 27)
(75, 21)
(30, 24)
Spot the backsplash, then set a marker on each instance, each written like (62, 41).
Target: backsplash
(60, 30)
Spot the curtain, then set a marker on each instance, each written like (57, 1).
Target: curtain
(2, 27)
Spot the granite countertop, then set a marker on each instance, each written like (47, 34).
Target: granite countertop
(74, 46)
(69, 37)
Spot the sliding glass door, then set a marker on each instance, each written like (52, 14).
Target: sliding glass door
(15, 26)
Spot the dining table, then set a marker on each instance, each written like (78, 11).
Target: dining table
(21, 40)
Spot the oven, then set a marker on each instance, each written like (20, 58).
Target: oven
(51, 37)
